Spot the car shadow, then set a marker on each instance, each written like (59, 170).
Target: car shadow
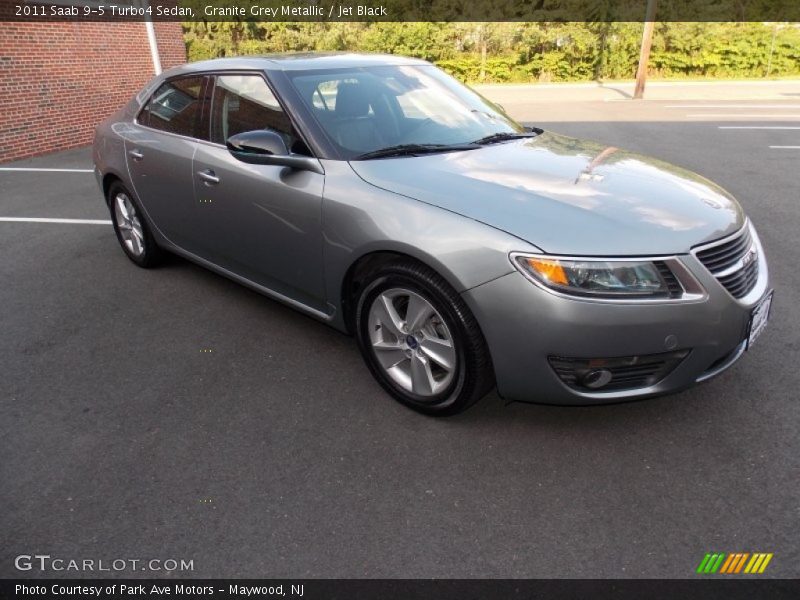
(490, 413)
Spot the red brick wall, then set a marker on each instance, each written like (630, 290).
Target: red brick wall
(58, 80)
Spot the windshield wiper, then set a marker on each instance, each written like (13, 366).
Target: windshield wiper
(504, 137)
(413, 150)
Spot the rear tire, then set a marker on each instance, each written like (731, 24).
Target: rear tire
(421, 341)
(133, 232)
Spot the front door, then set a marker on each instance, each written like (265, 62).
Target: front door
(259, 221)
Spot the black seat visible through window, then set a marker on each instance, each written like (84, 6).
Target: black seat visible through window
(355, 127)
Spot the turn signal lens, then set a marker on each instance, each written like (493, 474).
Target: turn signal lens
(549, 270)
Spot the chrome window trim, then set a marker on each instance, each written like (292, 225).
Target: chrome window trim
(693, 290)
(152, 90)
(214, 74)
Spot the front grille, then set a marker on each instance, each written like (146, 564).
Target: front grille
(627, 372)
(742, 281)
(728, 262)
(724, 255)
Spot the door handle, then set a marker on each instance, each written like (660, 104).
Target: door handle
(136, 154)
(209, 177)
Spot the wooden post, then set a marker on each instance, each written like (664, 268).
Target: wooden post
(644, 53)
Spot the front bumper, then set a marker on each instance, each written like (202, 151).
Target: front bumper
(524, 325)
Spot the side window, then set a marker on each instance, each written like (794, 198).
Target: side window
(174, 107)
(245, 103)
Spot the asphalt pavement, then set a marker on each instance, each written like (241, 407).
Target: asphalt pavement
(173, 414)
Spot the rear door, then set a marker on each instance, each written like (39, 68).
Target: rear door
(261, 222)
(159, 151)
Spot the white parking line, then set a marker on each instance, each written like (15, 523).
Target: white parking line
(41, 220)
(33, 169)
(756, 127)
(786, 147)
(754, 106)
(754, 117)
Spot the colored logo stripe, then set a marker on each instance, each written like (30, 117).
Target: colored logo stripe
(727, 564)
(711, 563)
(758, 563)
(734, 563)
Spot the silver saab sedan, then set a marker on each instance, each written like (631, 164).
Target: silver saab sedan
(461, 249)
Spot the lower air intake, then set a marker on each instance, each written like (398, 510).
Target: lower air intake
(615, 374)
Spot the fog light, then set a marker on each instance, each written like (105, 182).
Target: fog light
(616, 373)
(596, 378)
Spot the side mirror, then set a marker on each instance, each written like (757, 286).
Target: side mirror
(251, 144)
(264, 147)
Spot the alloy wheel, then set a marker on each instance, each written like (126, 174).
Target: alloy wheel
(412, 342)
(128, 223)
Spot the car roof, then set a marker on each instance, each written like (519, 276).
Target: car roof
(297, 61)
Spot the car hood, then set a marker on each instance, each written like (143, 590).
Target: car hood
(567, 196)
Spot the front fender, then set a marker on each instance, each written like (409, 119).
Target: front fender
(360, 219)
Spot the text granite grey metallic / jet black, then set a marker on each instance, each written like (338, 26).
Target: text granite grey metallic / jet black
(461, 249)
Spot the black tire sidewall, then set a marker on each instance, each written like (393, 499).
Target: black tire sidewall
(151, 251)
(447, 401)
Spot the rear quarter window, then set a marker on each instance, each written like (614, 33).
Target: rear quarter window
(174, 107)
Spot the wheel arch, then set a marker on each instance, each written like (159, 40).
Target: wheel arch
(371, 261)
(108, 180)
(474, 377)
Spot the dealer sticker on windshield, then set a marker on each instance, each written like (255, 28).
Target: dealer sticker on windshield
(758, 319)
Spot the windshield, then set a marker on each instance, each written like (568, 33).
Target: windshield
(363, 110)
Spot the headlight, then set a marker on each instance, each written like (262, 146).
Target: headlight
(602, 278)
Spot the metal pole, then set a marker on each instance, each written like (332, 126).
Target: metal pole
(771, 48)
(644, 53)
(151, 38)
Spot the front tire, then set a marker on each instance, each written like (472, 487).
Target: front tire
(420, 340)
(131, 227)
